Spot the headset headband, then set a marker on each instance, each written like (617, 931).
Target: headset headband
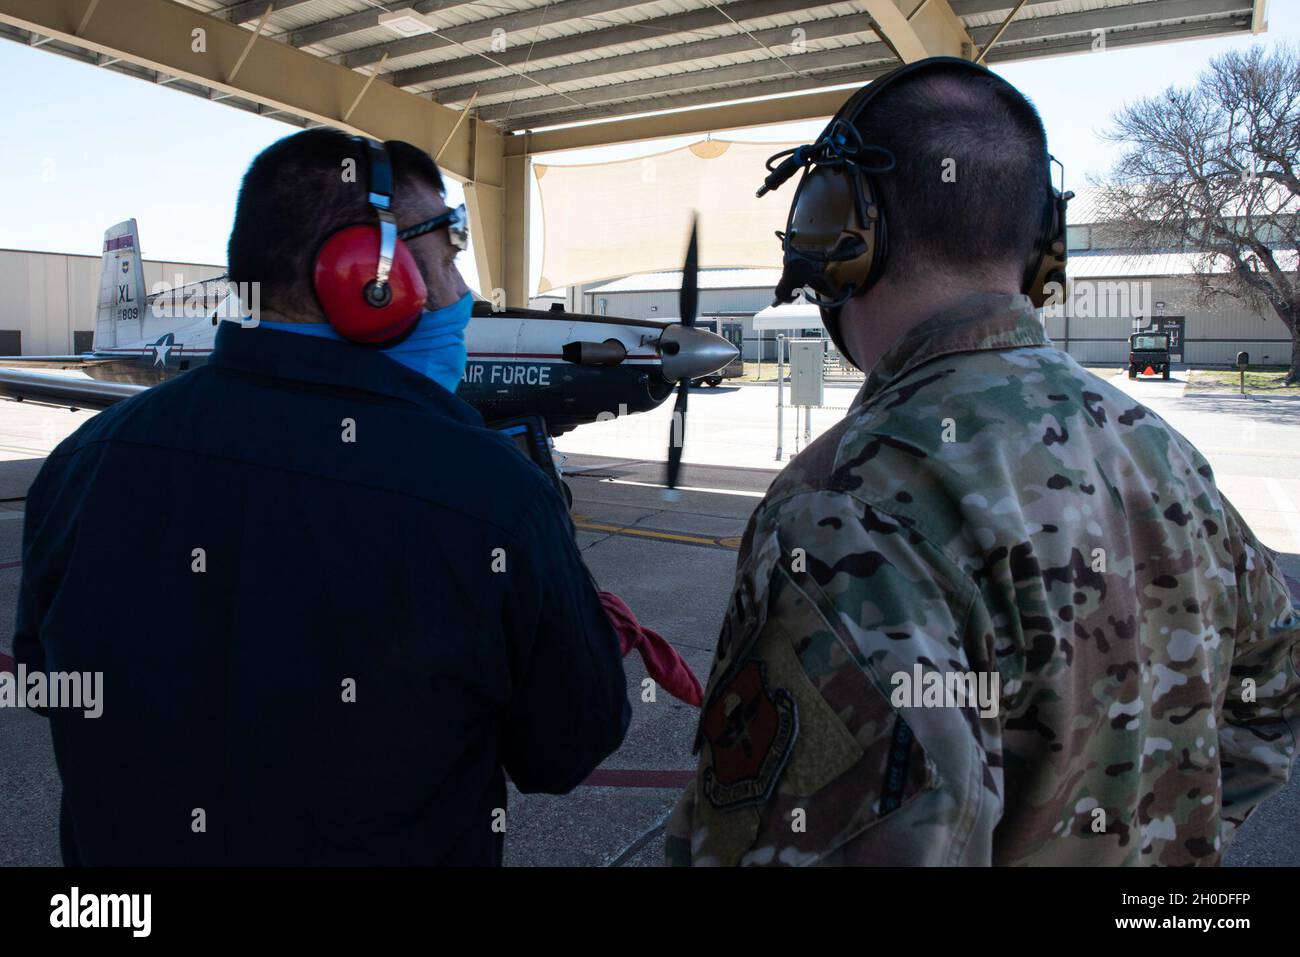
(379, 193)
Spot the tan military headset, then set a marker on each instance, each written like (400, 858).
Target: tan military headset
(835, 241)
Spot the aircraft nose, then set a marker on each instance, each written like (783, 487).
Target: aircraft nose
(692, 353)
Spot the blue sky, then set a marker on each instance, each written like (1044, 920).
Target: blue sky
(88, 147)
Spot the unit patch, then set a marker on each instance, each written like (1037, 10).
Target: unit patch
(751, 730)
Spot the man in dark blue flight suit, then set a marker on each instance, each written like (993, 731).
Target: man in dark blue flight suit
(329, 606)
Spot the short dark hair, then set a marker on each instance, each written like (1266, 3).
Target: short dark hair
(991, 138)
(294, 196)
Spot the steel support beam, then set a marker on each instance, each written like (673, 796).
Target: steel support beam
(486, 208)
(252, 9)
(971, 8)
(515, 205)
(1157, 33)
(1019, 30)
(715, 119)
(1259, 18)
(498, 223)
(782, 39)
(997, 34)
(520, 53)
(916, 31)
(669, 92)
(482, 29)
(365, 19)
(689, 117)
(818, 105)
(756, 70)
(159, 35)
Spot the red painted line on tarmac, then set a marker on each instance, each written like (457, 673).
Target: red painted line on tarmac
(545, 355)
(6, 663)
(4, 565)
(611, 778)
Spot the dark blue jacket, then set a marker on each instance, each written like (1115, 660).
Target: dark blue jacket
(373, 565)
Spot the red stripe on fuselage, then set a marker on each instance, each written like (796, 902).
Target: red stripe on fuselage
(152, 350)
(536, 355)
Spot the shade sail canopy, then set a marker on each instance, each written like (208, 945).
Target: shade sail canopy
(605, 220)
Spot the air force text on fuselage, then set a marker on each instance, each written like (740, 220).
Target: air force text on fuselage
(507, 373)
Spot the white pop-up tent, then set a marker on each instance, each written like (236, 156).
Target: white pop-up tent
(791, 315)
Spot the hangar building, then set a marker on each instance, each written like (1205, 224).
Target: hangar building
(48, 307)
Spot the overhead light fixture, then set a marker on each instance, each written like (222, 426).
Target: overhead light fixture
(405, 23)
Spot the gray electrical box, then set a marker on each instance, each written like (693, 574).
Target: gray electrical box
(806, 376)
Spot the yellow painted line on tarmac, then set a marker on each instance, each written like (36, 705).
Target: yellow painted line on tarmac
(686, 488)
(729, 542)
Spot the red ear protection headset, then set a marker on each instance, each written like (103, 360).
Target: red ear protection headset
(365, 278)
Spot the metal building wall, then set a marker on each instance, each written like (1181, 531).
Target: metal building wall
(48, 296)
(1213, 335)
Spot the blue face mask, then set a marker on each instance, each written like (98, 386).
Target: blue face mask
(435, 348)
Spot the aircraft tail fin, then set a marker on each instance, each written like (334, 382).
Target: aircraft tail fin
(120, 313)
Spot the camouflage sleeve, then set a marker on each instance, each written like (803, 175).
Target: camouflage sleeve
(833, 731)
(1261, 709)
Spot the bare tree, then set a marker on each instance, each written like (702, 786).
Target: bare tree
(1215, 170)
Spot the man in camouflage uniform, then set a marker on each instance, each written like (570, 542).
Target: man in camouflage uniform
(988, 509)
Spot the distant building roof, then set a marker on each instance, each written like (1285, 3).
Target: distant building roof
(1085, 208)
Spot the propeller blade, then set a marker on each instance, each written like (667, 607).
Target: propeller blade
(690, 294)
(689, 302)
(677, 439)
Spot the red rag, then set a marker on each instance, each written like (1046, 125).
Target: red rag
(662, 661)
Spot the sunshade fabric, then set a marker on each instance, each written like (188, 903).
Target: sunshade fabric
(605, 220)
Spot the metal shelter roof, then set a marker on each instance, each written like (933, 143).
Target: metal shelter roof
(528, 64)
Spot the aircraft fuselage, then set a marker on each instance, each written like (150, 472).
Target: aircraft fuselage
(516, 365)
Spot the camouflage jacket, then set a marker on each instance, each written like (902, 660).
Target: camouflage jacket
(1000, 614)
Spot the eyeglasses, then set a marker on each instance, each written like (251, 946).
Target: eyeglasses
(456, 221)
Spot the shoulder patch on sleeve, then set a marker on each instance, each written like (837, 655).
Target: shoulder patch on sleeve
(751, 730)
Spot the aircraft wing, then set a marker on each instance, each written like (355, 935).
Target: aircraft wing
(64, 390)
(57, 362)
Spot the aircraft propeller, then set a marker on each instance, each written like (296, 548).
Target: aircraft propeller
(688, 303)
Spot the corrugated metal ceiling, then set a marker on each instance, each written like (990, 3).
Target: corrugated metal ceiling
(538, 63)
